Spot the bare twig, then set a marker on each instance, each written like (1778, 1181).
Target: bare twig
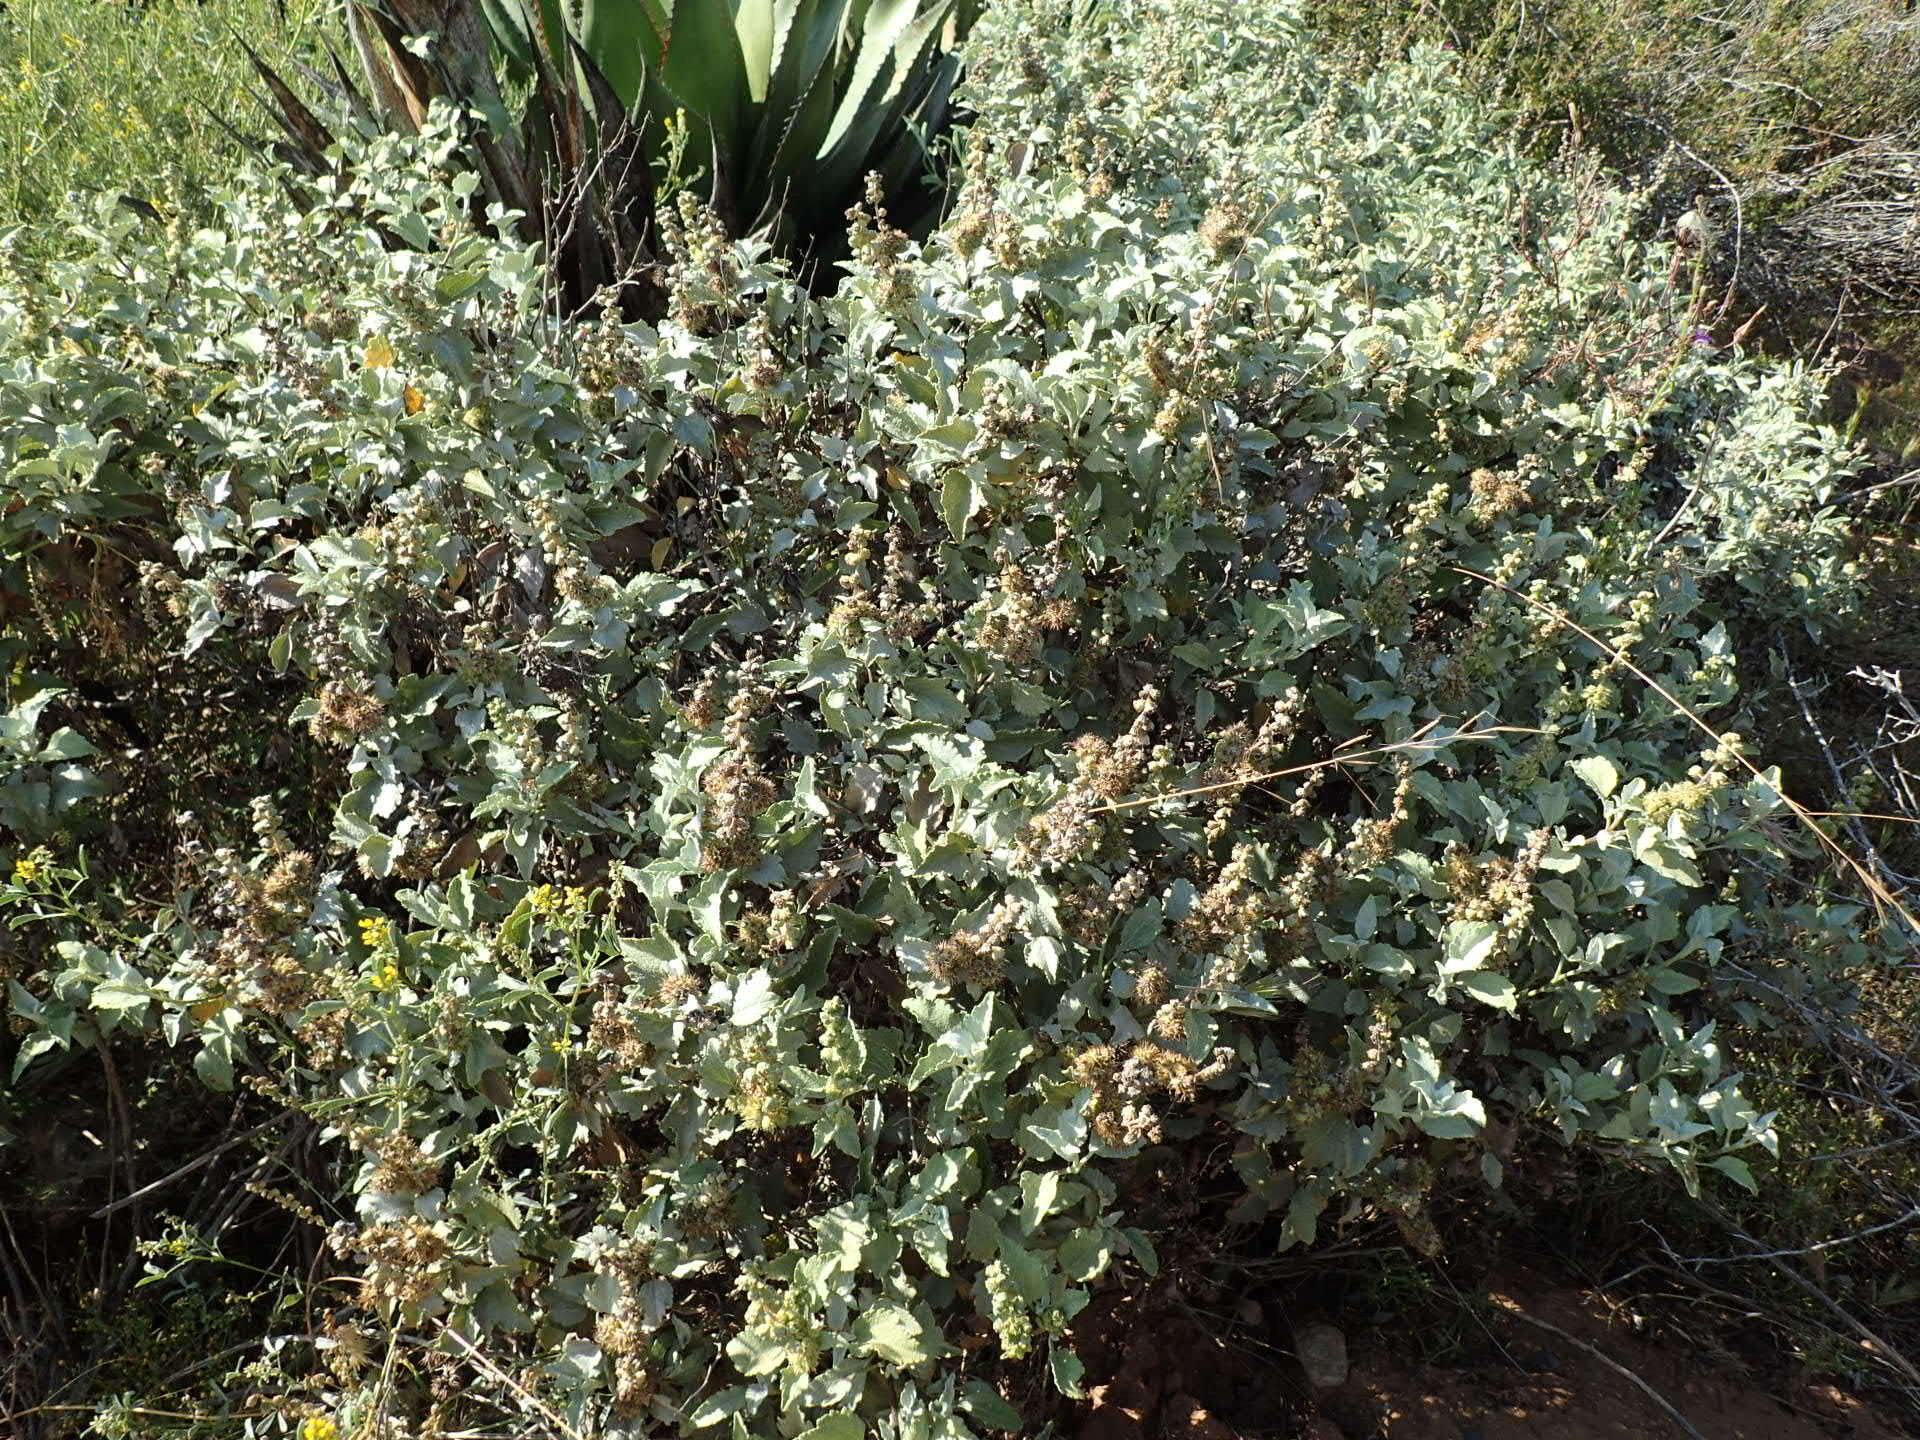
(1878, 1346)
(1912, 477)
(547, 1412)
(1854, 827)
(1685, 1425)
(1894, 1224)
(1686, 503)
(1739, 217)
(186, 1169)
(1417, 741)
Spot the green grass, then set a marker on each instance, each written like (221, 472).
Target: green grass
(99, 93)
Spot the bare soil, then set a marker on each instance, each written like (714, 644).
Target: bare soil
(1164, 1370)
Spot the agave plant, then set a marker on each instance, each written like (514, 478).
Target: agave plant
(785, 107)
(791, 103)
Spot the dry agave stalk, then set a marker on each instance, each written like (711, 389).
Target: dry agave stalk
(576, 171)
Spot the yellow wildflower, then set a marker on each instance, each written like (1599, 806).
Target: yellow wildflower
(386, 975)
(26, 870)
(319, 1427)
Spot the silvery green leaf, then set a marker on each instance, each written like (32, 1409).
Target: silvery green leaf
(1084, 1254)
(1066, 1369)
(754, 998)
(1490, 986)
(1600, 773)
(895, 1334)
(1468, 945)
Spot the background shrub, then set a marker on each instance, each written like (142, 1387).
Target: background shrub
(1795, 125)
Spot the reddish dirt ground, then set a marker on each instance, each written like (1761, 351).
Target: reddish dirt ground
(1171, 1375)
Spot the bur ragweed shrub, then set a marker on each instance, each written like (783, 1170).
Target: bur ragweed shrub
(828, 780)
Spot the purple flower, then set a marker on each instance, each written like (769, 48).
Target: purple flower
(1703, 338)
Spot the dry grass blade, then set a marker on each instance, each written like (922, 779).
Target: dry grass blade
(1885, 901)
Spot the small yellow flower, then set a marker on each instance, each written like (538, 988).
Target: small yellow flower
(319, 1427)
(543, 900)
(26, 871)
(375, 932)
(386, 976)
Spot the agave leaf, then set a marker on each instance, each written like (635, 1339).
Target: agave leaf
(906, 157)
(254, 145)
(627, 40)
(362, 108)
(788, 104)
(513, 27)
(407, 76)
(302, 125)
(890, 69)
(458, 66)
(377, 69)
(621, 178)
(504, 169)
(757, 23)
(799, 100)
(705, 72)
(806, 44)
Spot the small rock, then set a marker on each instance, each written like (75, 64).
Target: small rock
(1323, 1355)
